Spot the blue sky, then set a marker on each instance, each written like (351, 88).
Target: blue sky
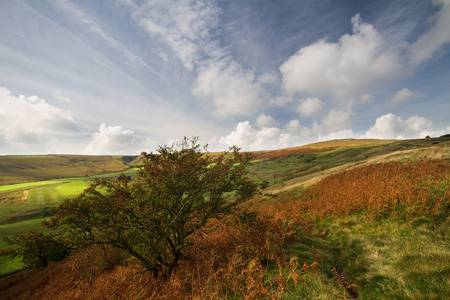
(124, 76)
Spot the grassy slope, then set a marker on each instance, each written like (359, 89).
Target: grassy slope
(31, 168)
(380, 256)
(300, 168)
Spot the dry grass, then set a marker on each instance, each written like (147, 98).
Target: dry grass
(378, 188)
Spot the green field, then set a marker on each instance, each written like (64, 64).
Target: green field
(15, 169)
(24, 206)
(7, 230)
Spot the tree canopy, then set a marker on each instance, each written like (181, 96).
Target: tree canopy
(177, 190)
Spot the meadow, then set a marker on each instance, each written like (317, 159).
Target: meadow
(24, 206)
(340, 219)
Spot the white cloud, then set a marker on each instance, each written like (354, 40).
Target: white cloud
(265, 121)
(112, 140)
(280, 101)
(248, 138)
(390, 126)
(349, 68)
(309, 107)
(240, 136)
(267, 78)
(184, 26)
(59, 96)
(291, 135)
(187, 29)
(333, 126)
(436, 37)
(30, 121)
(337, 135)
(336, 120)
(404, 95)
(232, 90)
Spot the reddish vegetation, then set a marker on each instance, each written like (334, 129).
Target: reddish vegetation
(233, 258)
(260, 155)
(380, 188)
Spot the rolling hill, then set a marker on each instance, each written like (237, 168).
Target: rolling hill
(341, 219)
(29, 168)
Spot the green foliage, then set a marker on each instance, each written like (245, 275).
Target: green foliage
(153, 218)
(37, 249)
(247, 190)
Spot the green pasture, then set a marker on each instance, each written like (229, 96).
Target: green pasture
(55, 194)
(23, 227)
(56, 190)
(8, 265)
(19, 216)
(29, 185)
(11, 213)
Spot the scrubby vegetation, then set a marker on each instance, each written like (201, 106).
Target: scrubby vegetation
(367, 230)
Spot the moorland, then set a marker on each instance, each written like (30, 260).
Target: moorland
(340, 219)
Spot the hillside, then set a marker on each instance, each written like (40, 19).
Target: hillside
(30, 168)
(303, 166)
(340, 219)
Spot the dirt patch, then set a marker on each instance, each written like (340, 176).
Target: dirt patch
(25, 195)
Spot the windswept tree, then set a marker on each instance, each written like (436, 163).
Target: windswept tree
(177, 190)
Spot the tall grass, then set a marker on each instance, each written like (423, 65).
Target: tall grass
(375, 189)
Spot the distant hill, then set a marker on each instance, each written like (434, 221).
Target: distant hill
(30, 168)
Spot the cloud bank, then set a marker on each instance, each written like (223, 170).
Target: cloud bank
(112, 140)
(334, 126)
(30, 122)
(352, 67)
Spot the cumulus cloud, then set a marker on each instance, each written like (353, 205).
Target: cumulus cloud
(31, 121)
(390, 126)
(309, 107)
(435, 37)
(333, 126)
(248, 138)
(336, 120)
(292, 134)
(232, 90)
(404, 95)
(280, 100)
(265, 121)
(351, 67)
(267, 78)
(112, 140)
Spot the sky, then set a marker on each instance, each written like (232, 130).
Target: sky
(125, 76)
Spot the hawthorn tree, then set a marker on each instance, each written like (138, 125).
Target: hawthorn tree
(177, 190)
